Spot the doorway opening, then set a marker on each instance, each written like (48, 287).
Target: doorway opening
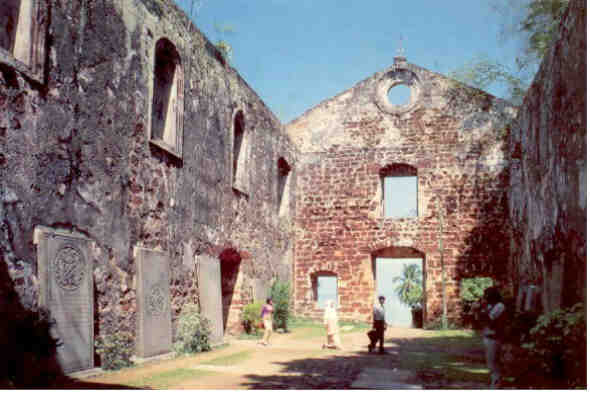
(230, 266)
(391, 267)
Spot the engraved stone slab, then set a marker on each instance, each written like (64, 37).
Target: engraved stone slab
(209, 275)
(65, 272)
(153, 303)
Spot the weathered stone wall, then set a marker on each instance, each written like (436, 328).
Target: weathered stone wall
(75, 155)
(547, 197)
(453, 136)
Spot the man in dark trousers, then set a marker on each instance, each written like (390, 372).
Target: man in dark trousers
(378, 325)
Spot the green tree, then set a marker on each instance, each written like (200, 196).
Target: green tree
(482, 72)
(280, 295)
(408, 286)
(535, 23)
(540, 25)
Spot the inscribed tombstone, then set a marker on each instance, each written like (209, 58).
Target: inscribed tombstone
(154, 335)
(209, 275)
(66, 290)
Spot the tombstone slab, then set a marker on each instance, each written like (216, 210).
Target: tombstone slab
(66, 290)
(153, 303)
(209, 275)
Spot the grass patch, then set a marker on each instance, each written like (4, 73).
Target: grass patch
(230, 360)
(440, 354)
(255, 336)
(168, 378)
(303, 328)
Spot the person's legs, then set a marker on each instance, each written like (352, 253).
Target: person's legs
(493, 360)
(373, 337)
(381, 336)
(267, 332)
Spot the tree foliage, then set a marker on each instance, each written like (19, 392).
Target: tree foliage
(482, 72)
(409, 286)
(540, 25)
(535, 23)
(280, 294)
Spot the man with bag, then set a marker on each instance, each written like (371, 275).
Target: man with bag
(379, 325)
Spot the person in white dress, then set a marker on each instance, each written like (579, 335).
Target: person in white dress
(331, 325)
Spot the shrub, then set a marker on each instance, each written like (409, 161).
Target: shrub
(471, 293)
(115, 350)
(558, 340)
(280, 295)
(193, 331)
(251, 317)
(472, 288)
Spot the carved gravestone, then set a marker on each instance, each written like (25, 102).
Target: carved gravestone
(209, 275)
(153, 303)
(66, 290)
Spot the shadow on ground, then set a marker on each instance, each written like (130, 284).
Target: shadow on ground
(433, 363)
(73, 383)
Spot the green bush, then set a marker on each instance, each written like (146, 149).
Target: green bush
(193, 331)
(558, 340)
(251, 317)
(280, 295)
(115, 350)
(472, 290)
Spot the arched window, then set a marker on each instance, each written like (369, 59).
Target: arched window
(167, 99)
(22, 35)
(240, 154)
(283, 191)
(399, 183)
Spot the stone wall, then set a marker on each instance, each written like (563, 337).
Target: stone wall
(453, 137)
(76, 155)
(547, 198)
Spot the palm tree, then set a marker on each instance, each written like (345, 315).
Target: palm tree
(409, 286)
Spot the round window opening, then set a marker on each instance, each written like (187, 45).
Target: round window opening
(399, 95)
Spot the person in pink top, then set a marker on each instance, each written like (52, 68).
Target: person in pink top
(266, 315)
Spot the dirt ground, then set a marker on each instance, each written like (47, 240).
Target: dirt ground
(288, 363)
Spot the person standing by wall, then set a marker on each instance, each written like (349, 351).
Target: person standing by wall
(378, 325)
(266, 315)
(331, 324)
(494, 317)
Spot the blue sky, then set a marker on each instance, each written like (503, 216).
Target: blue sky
(295, 54)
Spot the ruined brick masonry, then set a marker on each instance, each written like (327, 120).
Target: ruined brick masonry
(120, 122)
(547, 193)
(454, 140)
(76, 154)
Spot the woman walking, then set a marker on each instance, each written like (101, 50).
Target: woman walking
(331, 324)
(266, 315)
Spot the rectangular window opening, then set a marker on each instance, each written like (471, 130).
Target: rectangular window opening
(326, 289)
(400, 196)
